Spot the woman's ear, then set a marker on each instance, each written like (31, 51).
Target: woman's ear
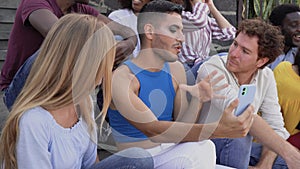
(149, 31)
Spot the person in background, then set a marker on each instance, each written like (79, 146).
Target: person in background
(199, 30)
(52, 122)
(33, 20)
(127, 16)
(150, 109)
(287, 76)
(287, 18)
(199, 36)
(257, 44)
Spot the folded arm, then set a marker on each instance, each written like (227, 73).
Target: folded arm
(265, 135)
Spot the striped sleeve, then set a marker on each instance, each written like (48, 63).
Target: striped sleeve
(221, 34)
(197, 19)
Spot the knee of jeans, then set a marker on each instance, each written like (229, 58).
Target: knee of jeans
(242, 143)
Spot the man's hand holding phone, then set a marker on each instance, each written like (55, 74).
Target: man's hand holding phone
(246, 97)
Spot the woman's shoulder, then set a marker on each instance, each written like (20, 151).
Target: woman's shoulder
(36, 116)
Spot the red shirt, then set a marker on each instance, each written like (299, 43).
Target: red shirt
(25, 40)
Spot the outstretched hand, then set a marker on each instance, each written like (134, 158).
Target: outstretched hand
(206, 88)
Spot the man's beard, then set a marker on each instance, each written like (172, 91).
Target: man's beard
(288, 41)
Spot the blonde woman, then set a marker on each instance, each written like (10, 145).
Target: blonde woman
(51, 124)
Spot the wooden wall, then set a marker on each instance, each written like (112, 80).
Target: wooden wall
(8, 9)
(7, 17)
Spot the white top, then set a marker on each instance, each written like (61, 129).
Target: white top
(266, 98)
(43, 143)
(128, 18)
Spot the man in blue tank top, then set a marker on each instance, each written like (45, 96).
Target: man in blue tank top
(150, 108)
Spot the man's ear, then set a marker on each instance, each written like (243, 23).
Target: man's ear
(149, 31)
(262, 61)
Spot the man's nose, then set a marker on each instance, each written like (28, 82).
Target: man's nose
(235, 51)
(180, 37)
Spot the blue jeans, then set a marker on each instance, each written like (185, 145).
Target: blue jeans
(131, 158)
(16, 85)
(241, 152)
(233, 152)
(256, 149)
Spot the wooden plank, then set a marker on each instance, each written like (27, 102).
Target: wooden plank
(2, 55)
(6, 27)
(4, 35)
(7, 15)
(9, 3)
(3, 44)
(1, 65)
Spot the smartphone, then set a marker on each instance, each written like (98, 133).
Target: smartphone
(246, 96)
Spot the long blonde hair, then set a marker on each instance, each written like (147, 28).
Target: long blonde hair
(76, 54)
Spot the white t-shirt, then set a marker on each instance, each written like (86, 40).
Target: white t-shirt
(128, 18)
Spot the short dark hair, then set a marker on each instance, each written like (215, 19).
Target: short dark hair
(279, 13)
(151, 13)
(187, 4)
(270, 40)
(162, 6)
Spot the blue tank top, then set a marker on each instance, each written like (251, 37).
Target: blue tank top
(156, 91)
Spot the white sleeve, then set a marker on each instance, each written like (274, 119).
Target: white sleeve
(270, 108)
(32, 143)
(115, 16)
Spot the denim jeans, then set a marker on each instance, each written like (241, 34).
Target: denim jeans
(16, 85)
(279, 163)
(233, 152)
(242, 152)
(132, 158)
